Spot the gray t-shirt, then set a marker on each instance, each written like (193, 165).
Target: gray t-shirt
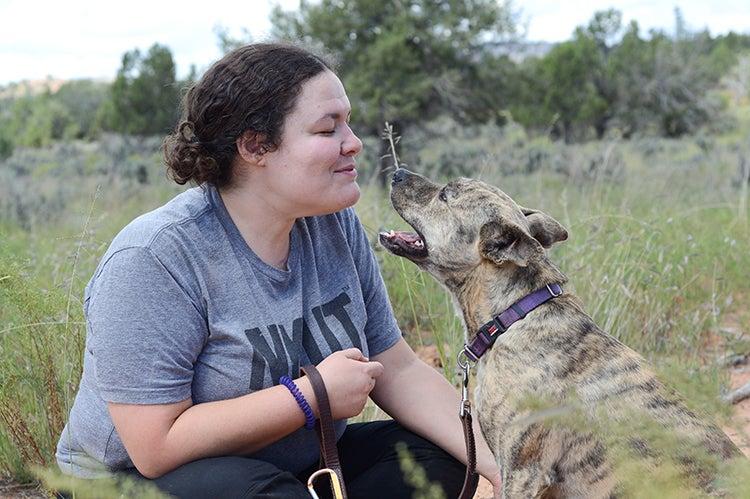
(180, 307)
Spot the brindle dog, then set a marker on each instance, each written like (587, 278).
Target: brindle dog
(489, 252)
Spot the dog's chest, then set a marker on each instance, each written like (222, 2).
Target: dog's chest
(510, 378)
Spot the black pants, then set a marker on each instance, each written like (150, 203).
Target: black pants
(368, 458)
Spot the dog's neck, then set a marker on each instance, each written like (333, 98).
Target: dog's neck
(489, 289)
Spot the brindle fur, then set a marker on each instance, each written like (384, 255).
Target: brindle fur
(489, 252)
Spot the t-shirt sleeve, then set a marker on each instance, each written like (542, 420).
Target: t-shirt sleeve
(145, 331)
(381, 329)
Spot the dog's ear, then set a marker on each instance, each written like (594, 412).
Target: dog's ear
(507, 242)
(544, 228)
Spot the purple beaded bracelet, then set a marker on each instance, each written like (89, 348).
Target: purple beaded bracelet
(309, 416)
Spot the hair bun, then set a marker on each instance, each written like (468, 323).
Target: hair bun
(186, 158)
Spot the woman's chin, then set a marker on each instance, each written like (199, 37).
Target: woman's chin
(341, 200)
(352, 195)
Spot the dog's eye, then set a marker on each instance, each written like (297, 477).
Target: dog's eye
(443, 196)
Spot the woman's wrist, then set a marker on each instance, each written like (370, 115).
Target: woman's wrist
(304, 386)
(300, 399)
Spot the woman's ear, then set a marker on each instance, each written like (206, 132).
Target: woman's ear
(251, 146)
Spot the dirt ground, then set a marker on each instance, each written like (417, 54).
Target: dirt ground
(739, 430)
(736, 326)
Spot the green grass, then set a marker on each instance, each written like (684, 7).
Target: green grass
(658, 253)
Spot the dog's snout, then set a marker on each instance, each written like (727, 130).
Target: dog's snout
(399, 176)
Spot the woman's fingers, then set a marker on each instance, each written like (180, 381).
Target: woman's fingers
(354, 354)
(374, 368)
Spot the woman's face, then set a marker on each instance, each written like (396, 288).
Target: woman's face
(313, 172)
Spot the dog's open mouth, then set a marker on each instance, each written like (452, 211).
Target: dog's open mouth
(401, 243)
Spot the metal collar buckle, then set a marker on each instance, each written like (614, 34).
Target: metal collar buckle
(468, 355)
(552, 292)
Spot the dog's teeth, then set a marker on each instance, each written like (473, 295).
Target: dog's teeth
(419, 244)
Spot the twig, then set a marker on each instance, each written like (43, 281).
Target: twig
(77, 254)
(388, 135)
(742, 205)
(737, 395)
(76, 257)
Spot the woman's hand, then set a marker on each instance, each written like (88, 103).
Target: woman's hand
(497, 484)
(349, 378)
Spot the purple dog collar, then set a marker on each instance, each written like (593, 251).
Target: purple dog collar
(488, 333)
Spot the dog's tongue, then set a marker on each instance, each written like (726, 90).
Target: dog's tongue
(409, 237)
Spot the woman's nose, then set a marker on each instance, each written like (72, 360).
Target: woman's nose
(351, 146)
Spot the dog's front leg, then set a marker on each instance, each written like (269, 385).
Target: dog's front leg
(530, 481)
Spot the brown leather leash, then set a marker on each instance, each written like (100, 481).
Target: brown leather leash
(329, 455)
(471, 480)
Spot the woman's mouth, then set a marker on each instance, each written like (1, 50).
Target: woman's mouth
(348, 170)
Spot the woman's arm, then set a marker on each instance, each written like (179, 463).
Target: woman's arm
(159, 438)
(405, 380)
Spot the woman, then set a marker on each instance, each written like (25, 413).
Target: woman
(199, 308)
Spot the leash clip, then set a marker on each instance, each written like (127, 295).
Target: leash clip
(465, 368)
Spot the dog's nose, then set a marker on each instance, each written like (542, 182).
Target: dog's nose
(399, 176)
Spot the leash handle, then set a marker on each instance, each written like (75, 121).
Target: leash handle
(326, 435)
(338, 491)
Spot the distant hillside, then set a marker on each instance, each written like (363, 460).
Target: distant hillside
(36, 87)
(30, 87)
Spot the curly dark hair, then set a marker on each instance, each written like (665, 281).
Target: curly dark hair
(252, 88)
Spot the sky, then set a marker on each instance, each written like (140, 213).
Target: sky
(86, 38)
